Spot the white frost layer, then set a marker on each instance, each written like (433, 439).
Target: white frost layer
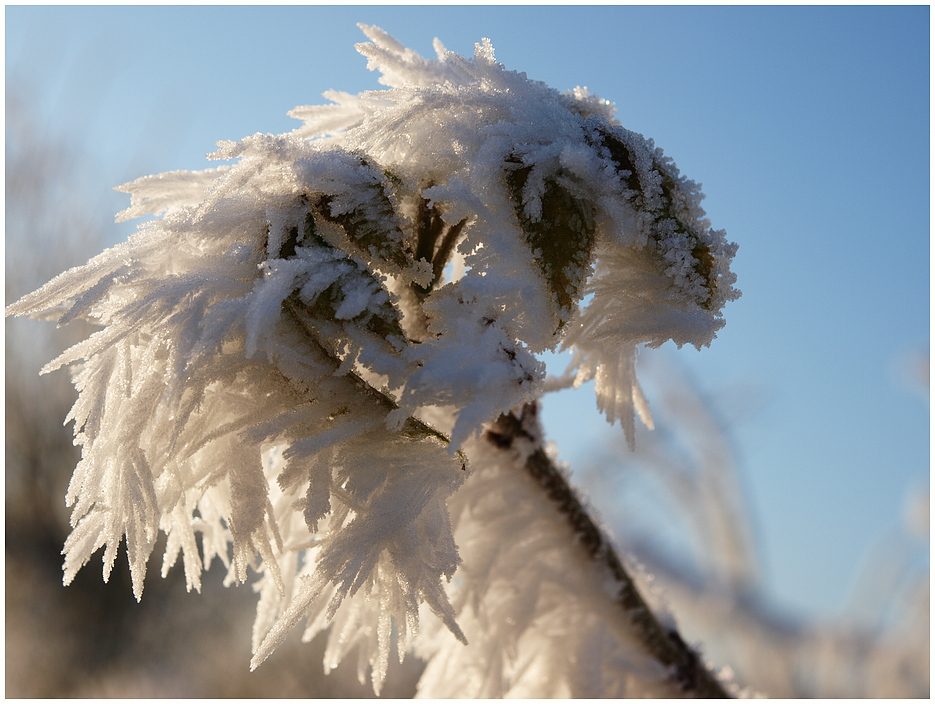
(266, 343)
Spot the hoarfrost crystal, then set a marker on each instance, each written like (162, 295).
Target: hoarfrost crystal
(273, 345)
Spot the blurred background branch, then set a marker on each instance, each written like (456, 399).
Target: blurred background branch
(678, 506)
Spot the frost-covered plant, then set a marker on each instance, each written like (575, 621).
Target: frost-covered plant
(316, 356)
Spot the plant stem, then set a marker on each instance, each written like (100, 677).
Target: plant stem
(413, 427)
(689, 675)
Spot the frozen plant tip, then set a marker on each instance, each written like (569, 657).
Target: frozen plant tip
(298, 356)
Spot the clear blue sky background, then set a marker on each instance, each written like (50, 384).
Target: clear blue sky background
(807, 126)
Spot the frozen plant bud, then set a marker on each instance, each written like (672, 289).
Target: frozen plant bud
(272, 345)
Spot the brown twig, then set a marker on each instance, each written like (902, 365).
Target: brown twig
(689, 674)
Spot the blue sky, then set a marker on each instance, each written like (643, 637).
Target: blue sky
(807, 126)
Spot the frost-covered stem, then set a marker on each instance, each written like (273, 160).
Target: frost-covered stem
(689, 674)
(412, 426)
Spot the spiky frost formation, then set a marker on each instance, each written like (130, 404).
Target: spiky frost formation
(581, 193)
(539, 617)
(270, 340)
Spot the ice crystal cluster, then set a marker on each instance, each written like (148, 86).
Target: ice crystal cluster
(297, 358)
